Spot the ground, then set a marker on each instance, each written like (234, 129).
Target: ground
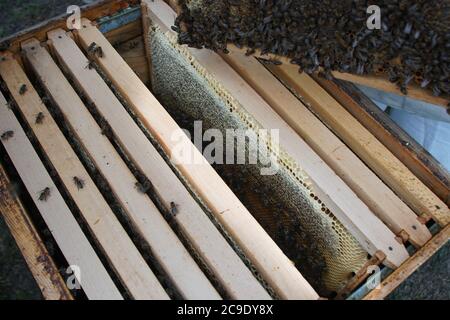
(432, 281)
(18, 14)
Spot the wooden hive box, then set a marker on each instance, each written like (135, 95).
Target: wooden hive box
(87, 118)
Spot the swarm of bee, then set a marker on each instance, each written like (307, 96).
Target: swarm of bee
(412, 46)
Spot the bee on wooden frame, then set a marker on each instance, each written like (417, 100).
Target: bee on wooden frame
(23, 89)
(39, 118)
(78, 182)
(173, 209)
(44, 194)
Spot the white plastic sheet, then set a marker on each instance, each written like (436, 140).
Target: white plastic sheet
(429, 125)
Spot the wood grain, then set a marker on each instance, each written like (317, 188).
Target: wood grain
(270, 261)
(30, 244)
(146, 218)
(208, 242)
(74, 245)
(124, 257)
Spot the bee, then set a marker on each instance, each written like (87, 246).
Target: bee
(23, 89)
(10, 105)
(250, 52)
(95, 50)
(78, 182)
(106, 128)
(173, 209)
(99, 52)
(132, 45)
(44, 194)
(7, 135)
(90, 65)
(143, 187)
(45, 99)
(91, 48)
(39, 118)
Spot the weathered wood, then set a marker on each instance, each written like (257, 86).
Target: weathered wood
(30, 244)
(125, 33)
(410, 266)
(166, 247)
(95, 280)
(270, 261)
(380, 199)
(361, 275)
(124, 257)
(389, 168)
(205, 238)
(405, 148)
(371, 233)
(91, 11)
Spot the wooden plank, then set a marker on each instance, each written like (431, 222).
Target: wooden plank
(207, 240)
(410, 266)
(383, 84)
(145, 33)
(389, 168)
(95, 280)
(124, 257)
(405, 148)
(380, 199)
(30, 244)
(166, 247)
(371, 233)
(270, 261)
(133, 52)
(125, 33)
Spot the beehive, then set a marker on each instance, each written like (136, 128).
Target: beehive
(98, 140)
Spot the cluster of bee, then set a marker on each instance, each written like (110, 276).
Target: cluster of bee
(413, 44)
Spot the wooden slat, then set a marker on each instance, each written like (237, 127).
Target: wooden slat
(30, 244)
(145, 33)
(125, 33)
(403, 146)
(166, 247)
(270, 261)
(95, 281)
(371, 233)
(118, 247)
(380, 199)
(390, 169)
(410, 266)
(215, 251)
